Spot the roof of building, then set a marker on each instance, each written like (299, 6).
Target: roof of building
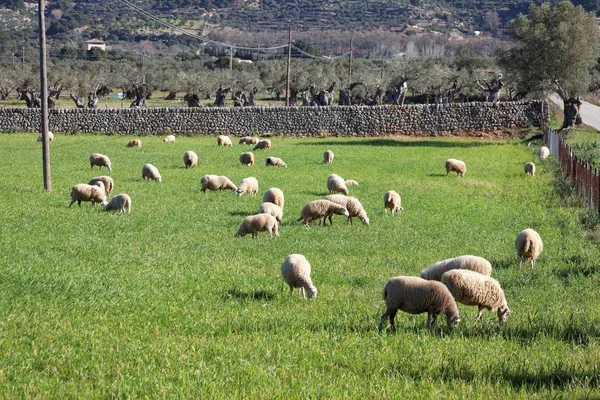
(95, 41)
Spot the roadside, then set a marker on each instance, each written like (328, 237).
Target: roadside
(590, 113)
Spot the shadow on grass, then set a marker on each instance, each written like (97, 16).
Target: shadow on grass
(505, 263)
(437, 175)
(399, 143)
(240, 213)
(318, 194)
(257, 295)
(578, 265)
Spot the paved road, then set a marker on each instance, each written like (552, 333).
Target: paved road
(589, 112)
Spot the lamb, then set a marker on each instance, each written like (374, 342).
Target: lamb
(474, 289)
(392, 201)
(134, 143)
(275, 196)
(121, 203)
(262, 145)
(320, 209)
(214, 182)
(149, 172)
(101, 161)
(543, 152)
(272, 209)
(247, 158)
(295, 270)
(190, 159)
(169, 139)
(355, 209)
(248, 140)
(528, 245)
(50, 137)
(328, 157)
(106, 180)
(84, 192)
(529, 169)
(276, 162)
(247, 185)
(224, 141)
(456, 166)
(416, 296)
(351, 182)
(473, 263)
(336, 184)
(258, 223)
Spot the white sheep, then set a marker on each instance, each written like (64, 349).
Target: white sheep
(354, 207)
(392, 201)
(336, 184)
(543, 152)
(84, 192)
(258, 223)
(50, 137)
(169, 139)
(247, 158)
(215, 182)
(528, 245)
(264, 144)
(295, 270)
(248, 140)
(149, 172)
(328, 157)
(351, 182)
(134, 143)
(473, 263)
(247, 185)
(275, 162)
(273, 209)
(456, 166)
(529, 169)
(190, 159)
(101, 161)
(320, 209)
(275, 196)
(224, 141)
(474, 289)
(415, 295)
(108, 182)
(121, 203)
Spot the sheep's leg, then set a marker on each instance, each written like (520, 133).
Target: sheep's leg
(303, 292)
(79, 203)
(386, 314)
(479, 313)
(330, 219)
(72, 201)
(431, 320)
(532, 262)
(349, 220)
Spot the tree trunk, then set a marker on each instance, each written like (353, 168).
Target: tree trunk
(171, 96)
(571, 112)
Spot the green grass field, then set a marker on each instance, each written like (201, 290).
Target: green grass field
(166, 303)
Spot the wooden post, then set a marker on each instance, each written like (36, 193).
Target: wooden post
(350, 63)
(44, 99)
(289, 62)
(231, 58)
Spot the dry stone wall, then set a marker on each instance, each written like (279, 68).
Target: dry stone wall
(417, 120)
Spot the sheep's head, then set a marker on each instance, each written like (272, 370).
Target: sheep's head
(104, 204)
(453, 320)
(365, 220)
(503, 313)
(342, 211)
(311, 292)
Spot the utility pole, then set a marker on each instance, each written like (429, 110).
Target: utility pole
(23, 55)
(289, 62)
(44, 99)
(350, 63)
(231, 58)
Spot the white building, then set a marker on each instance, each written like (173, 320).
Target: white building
(90, 44)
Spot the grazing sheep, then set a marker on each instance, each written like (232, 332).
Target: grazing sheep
(190, 159)
(416, 296)
(355, 209)
(258, 223)
(392, 201)
(149, 172)
(529, 169)
(543, 152)
(121, 203)
(473, 263)
(528, 245)
(247, 185)
(295, 270)
(50, 137)
(215, 182)
(264, 144)
(84, 192)
(247, 158)
(275, 161)
(272, 209)
(474, 289)
(336, 184)
(134, 143)
(320, 209)
(224, 141)
(328, 157)
(275, 196)
(248, 140)
(457, 166)
(169, 139)
(101, 161)
(106, 180)
(351, 182)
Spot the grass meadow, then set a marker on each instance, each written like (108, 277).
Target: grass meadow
(166, 303)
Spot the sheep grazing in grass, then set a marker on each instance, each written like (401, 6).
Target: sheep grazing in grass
(84, 192)
(295, 270)
(415, 295)
(215, 182)
(392, 201)
(351, 182)
(272, 209)
(336, 184)
(50, 137)
(190, 159)
(275, 162)
(320, 210)
(224, 141)
(247, 185)
(473, 263)
(134, 143)
(120, 203)
(456, 166)
(108, 182)
(543, 152)
(169, 139)
(529, 246)
(355, 209)
(258, 223)
(150, 172)
(474, 289)
(328, 157)
(262, 145)
(100, 160)
(529, 169)
(247, 158)
(275, 196)
(248, 140)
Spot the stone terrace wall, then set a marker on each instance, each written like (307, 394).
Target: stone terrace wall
(418, 120)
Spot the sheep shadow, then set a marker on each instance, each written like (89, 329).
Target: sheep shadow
(240, 213)
(318, 194)
(398, 143)
(257, 295)
(437, 175)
